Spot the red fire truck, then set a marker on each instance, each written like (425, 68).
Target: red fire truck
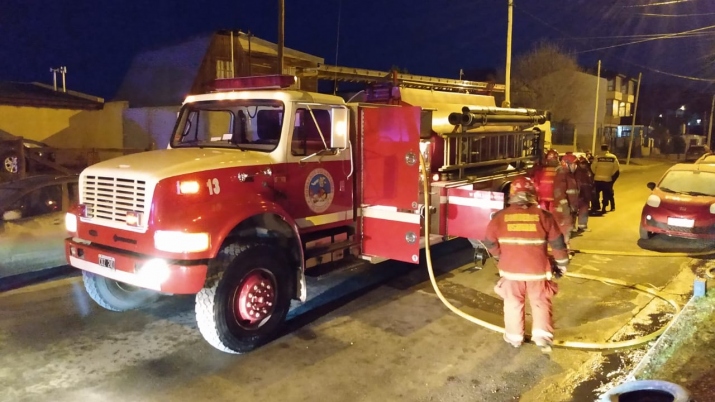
(263, 182)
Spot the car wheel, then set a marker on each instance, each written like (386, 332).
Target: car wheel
(246, 297)
(644, 234)
(10, 163)
(116, 296)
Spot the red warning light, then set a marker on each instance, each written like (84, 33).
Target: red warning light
(257, 82)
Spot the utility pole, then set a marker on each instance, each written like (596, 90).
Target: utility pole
(633, 124)
(281, 21)
(595, 112)
(507, 78)
(710, 121)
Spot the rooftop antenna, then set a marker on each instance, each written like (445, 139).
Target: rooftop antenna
(62, 70)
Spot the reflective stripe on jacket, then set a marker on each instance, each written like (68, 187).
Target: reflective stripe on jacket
(520, 236)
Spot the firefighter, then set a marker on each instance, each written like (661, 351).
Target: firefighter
(584, 180)
(569, 165)
(518, 238)
(605, 170)
(552, 185)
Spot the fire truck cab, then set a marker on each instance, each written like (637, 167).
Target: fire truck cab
(263, 182)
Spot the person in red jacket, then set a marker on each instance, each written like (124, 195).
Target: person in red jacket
(518, 238)
(573, 192)
(556, 191)
(584, 179)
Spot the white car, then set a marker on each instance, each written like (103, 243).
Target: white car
(32, 224)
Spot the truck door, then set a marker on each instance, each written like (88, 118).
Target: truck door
(317, 189)
(389, 182)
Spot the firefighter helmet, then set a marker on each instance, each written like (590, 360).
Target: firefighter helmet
(569, 158)
(522, 185)
(552, 155)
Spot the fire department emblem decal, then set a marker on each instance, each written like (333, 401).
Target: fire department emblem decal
(319, 190)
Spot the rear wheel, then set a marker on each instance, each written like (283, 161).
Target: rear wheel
(246, 299)
(116, 296)
(644, 234)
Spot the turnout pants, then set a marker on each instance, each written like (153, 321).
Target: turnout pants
(539, 293)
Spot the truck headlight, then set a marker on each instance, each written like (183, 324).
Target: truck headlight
(712, 208)
(180, 242)
(71, 222)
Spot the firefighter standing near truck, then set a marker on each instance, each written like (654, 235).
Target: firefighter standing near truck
(552, 188)
(580, 182)
(584, 180)
(518, 238)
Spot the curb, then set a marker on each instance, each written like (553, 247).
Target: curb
(31, 278)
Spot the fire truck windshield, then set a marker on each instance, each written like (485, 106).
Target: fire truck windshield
(245, 124)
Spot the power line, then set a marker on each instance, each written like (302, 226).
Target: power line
(662, 3)
(665, 36)
(675, 15)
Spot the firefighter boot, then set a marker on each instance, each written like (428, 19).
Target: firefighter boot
(543, 344)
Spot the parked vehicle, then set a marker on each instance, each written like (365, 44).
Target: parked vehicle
(10, 158)
(682, 203)
(694, 152)
(263, 182)
(32, 230)
(707, 158)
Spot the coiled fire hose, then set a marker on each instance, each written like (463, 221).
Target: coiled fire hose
(565, 344)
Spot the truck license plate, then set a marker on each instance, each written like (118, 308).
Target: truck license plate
(106, 261)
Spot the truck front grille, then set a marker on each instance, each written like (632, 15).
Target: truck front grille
(111, 198)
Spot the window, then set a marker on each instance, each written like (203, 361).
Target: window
(223, 69)
(613, 107)
(306, 137)
(624, 86)
(39, 202)
(622, 109)
(630, 88)
(254, 124)
(612, 84)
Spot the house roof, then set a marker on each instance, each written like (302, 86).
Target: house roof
(36, 94)
(165, 76)
(259, 45)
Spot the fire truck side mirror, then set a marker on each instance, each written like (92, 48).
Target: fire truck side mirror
(339, 133)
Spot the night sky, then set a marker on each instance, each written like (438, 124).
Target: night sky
(97, 39)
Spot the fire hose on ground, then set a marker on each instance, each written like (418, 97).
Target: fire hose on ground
(610, 281)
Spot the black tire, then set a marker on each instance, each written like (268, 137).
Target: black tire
(217, 312)
(116, 296)
(644, 234)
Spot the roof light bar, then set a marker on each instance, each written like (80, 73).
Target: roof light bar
(256, 82)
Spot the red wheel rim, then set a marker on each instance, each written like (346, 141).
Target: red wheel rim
(255, 299)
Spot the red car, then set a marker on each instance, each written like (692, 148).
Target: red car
(682, 204)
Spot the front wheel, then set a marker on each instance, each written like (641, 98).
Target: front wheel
(644, 234)
(246, 298)
(10, 163)
(116, 296)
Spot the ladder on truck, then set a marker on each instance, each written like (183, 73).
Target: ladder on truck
(328, 72)
(470, 147)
